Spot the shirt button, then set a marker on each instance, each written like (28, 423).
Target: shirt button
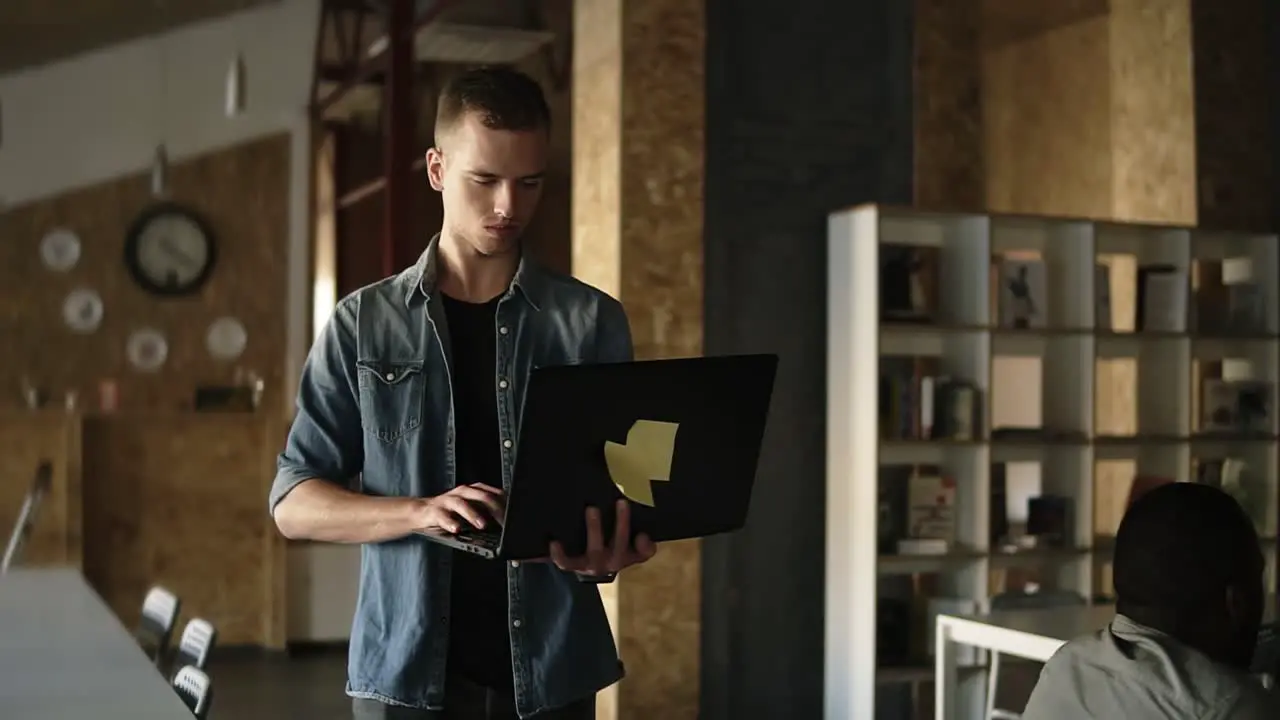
(506, 443)
(391, 376)
(502, 330)
(516, 623)
(502, 384)
(515, 563)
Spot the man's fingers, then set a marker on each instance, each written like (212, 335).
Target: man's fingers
(621, 536)
(487, 488)
(559, 558)
(595, 537)
(645, 547)
(462, 507)
(494, 502)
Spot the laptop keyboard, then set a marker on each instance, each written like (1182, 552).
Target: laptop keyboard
(487, 539)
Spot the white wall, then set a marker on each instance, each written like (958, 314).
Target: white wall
(98, 116)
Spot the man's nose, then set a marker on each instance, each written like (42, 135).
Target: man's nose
(504, 201)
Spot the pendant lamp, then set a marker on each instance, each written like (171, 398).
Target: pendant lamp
(235, 100)
(160, 172)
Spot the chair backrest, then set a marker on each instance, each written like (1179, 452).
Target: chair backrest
(159, 614)
(27, 516)
(195, 644)
(196, 690)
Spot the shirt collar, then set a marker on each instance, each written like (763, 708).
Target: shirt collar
(423, 277)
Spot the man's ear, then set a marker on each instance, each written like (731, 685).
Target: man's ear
(435, 169)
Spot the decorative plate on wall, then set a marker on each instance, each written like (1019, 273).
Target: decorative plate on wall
(147, 349)
(82, 310)
(226, 338)
(60, 250)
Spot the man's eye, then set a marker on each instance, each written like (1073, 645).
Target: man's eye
(484, 181)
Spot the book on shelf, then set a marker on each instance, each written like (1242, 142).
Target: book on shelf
(1050, 521)
(917, 510)
(1246, 308)
(918, 402)
(907, 392)
(1235, 406)
(1162, 299)
(1022, 298)
(908, 283)
(1234, 477)
(1102, 297)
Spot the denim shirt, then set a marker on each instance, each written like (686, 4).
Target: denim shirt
(375, 401)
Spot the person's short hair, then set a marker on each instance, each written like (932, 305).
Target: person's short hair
(1180, 546)
(503, 98)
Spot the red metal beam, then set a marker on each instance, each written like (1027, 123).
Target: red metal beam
(374, 64)
(398, 104)
(375, 186)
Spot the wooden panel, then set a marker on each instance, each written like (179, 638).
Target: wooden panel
(1046, 115)
(950, 170)
(1235, 113)
(26, 440)
(180, 500)
(242, 192)
(637, 234)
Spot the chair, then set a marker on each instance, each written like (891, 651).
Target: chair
(196, 690)
(159, 614)
(1025, 600)
(195, 644)
(27, 516)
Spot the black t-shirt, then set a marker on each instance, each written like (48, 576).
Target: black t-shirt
(479, 641)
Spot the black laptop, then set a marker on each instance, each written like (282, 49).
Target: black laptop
(679, 438)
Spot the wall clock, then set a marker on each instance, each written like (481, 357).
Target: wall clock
(82, 310)
(170, 250)
(60, 250)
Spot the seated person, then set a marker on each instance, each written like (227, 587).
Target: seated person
(1189, 603)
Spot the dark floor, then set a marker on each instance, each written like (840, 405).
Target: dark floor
(252, 686)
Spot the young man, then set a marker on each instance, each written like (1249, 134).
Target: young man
(416, 386)
(1189, 601)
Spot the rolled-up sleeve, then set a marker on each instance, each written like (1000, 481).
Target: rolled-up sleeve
(325, 441)
(613, 332)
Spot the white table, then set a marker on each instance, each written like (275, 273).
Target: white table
(1031, 634)
(64, 655)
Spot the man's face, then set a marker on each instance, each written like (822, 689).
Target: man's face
(490, 182)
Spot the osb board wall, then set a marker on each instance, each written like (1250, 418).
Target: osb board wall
(26, 440)
(1153, 114)
(1236, 123)
(1084, 109)
(243, 194)
(950, 169)
(1046, 117)
(637, 233)
(179, 500)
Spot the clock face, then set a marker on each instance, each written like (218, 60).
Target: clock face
(170, 251)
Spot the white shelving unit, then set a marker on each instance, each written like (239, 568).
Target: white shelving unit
(1070, 349)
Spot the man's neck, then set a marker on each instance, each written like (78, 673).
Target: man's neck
(466, 275)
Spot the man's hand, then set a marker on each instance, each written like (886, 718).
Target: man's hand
(464, 507)
(606, 560)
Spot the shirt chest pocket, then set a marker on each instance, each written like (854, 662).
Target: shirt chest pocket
(391, 395)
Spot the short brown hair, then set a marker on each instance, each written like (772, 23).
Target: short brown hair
(505, 99)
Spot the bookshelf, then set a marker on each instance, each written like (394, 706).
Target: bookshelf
(1146, 352)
